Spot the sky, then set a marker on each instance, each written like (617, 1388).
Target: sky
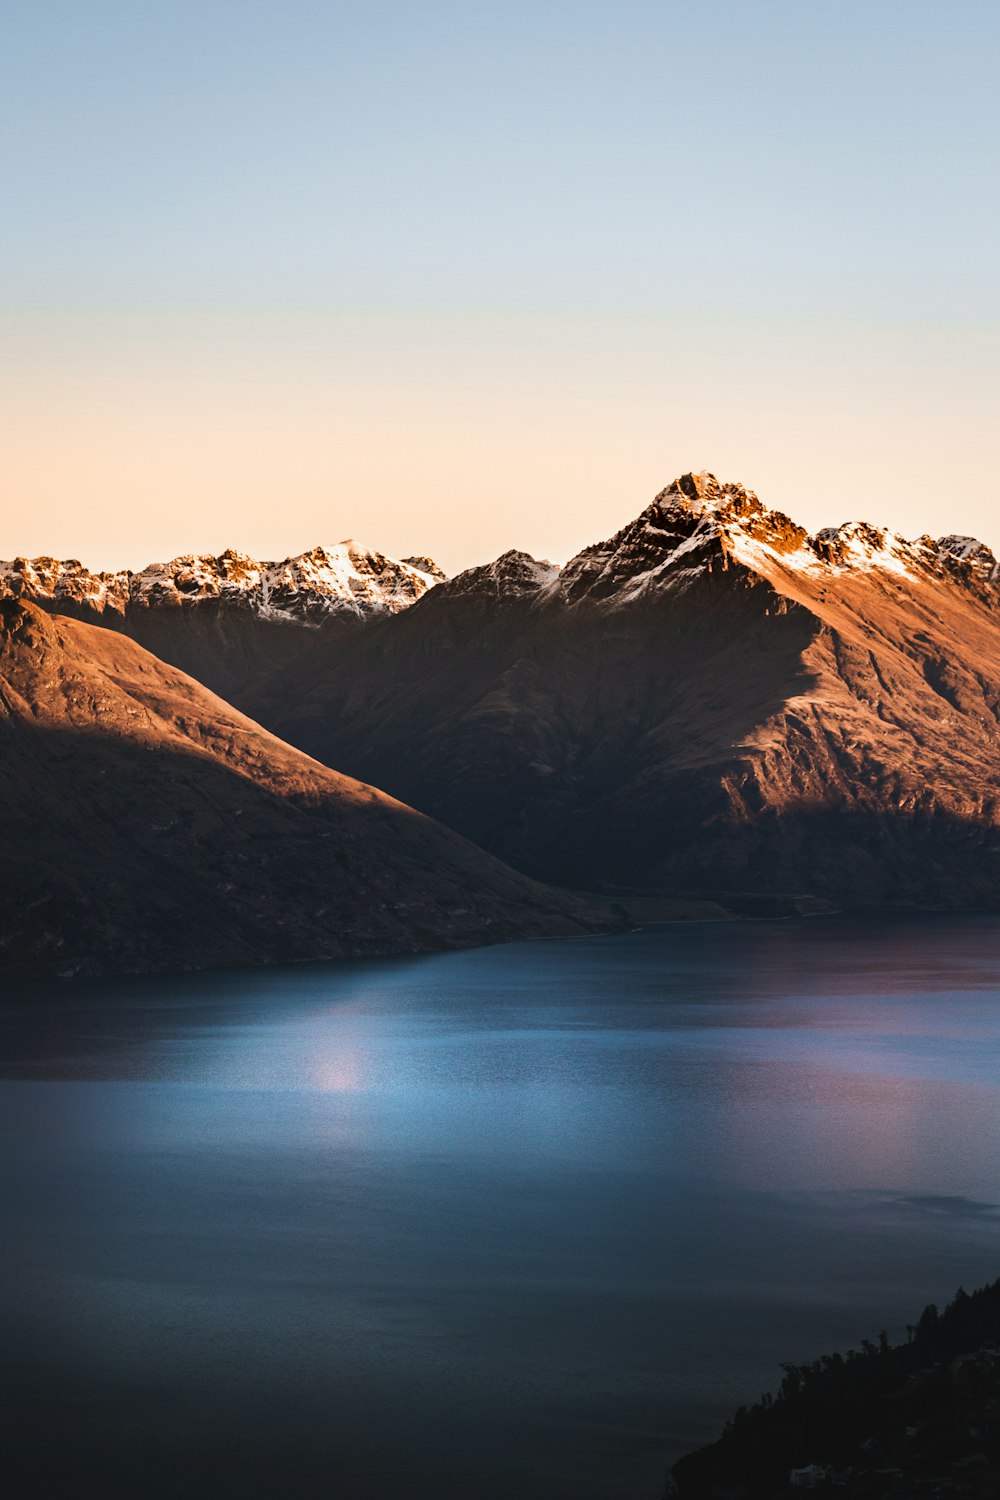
(455, 277)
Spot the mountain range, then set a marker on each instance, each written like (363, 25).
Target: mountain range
(227, 619)
(710, 703)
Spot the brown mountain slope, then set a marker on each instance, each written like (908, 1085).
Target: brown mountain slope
(230, 618)
(709, 702)
(148, 825)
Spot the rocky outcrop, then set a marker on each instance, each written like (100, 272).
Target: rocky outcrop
(347, 579)
(513, 575)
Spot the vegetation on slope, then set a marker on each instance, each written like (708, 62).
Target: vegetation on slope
(920, 1417)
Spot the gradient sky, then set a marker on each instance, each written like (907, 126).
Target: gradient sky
(454, 277)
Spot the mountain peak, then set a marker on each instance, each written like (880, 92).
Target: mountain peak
(703, 493)
(513, 573)
(426, 565)
(973, 553)
(702, 486)
(700, 524)
(730, 505)
(696, 525)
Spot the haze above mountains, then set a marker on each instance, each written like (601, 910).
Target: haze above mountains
(711, 703)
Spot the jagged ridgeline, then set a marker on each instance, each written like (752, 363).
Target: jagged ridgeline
(229, 620)
(872, 1422)
(709, 704)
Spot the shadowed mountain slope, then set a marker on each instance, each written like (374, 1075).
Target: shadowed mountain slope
(709, 702)
(229, 619)
(148, 825)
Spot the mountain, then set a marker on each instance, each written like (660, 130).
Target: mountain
(148, 825)
(307, 589)
(710, 702)
(226, 619)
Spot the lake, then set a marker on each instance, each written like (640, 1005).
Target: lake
(525, 1221)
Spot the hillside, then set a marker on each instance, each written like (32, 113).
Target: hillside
(886, 1420)
(150, 826)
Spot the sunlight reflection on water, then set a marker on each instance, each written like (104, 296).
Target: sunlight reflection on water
(522, 1220)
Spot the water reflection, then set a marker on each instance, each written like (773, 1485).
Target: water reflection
(524, 1220)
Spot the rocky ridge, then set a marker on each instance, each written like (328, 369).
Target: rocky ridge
(513, 574)
(696, 524)
(348, 578)
(699, 525)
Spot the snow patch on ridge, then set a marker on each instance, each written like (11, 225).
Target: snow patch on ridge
(346, 578)
(857, 544)
(47, 579)
(698, 525)
(968, 549)
(513, 573)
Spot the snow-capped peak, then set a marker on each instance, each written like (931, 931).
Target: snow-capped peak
(858, 544)
(692, 527)
(426, 565)
(699, 525)
(66, 583)
(969, 550)
(347, 577)
(513, 573)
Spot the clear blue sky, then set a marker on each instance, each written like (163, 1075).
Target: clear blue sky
(520, 261)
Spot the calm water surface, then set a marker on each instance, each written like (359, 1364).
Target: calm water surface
(527, 1221)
